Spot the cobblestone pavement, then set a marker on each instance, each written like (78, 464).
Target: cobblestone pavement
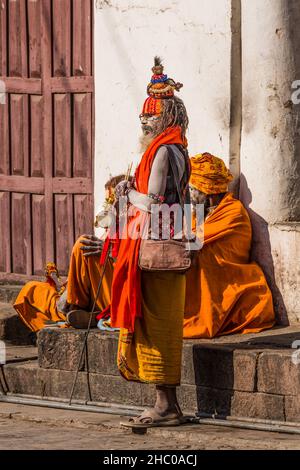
(25, 427)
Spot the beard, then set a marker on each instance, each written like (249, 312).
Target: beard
(150, 132)
(197, 197)
(144, 141)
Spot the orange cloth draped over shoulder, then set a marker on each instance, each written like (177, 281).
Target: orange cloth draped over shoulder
(225, 292)
(126, 286)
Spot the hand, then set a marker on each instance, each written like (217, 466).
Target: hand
(122, 188)
(91, 245)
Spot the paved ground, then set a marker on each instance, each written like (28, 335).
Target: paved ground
(27, 427)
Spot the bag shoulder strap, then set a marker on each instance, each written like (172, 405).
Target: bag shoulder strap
(175, 173)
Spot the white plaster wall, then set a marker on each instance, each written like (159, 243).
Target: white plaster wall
(267, 151)
(193, 38)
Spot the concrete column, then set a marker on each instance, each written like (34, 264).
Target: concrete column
(270, 143)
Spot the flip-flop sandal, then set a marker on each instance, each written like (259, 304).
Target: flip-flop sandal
(150, 419)
(104, 325)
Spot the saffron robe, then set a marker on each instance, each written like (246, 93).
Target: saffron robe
(37, 301)
(225, 292)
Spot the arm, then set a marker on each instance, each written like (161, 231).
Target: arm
(157, 182)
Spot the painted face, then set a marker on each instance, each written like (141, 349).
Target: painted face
(197, 197)
(150, 123)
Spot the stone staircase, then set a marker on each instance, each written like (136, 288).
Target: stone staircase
(246, 376)
(11, 327)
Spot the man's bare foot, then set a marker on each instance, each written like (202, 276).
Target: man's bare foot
(166, 401)
(166, 411)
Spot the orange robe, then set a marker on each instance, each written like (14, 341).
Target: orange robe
(150, 320)
(126, 305)
(225, 292)
(36, 304)
(37, 301)
(83, 279)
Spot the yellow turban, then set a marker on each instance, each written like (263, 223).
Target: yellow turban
(209, 174)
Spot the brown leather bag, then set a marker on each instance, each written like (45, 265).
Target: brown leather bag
(166, 255)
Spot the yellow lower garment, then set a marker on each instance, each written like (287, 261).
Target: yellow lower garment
(37, 301)
(152, 354)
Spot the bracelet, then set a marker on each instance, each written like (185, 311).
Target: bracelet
(156, 197)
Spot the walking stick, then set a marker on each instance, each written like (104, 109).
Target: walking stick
(93, 309)
(89, 326)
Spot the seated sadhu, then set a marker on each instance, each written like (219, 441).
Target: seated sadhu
(225, 292)
(40, 304)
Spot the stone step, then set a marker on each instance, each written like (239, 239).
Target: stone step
(242, 362)
(29, 379)
(242, 375)
(11, 327)
(18, 353)
(9, 292)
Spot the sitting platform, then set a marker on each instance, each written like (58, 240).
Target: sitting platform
(249, 376)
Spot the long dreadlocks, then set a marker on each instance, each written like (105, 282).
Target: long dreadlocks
(174, 114)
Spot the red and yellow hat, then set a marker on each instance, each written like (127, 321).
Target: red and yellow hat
(152, 106)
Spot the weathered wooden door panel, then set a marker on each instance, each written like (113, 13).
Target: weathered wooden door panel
(38, 232)
(5, 234)
(46, 132)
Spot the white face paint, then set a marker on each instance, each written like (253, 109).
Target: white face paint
(150, 127)
(197, 197)
(150, 123)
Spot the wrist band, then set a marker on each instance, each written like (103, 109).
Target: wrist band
(156, 197)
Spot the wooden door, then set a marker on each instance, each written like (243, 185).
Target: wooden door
(46, 133)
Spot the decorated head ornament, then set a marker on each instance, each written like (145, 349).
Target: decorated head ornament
(160, 87)
(53, 278)
(51, 268)
(209, 174)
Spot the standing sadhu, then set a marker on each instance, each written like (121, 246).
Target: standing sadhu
(226, 293)
(149, 306)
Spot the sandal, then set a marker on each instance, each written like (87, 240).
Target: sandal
(150, 418)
